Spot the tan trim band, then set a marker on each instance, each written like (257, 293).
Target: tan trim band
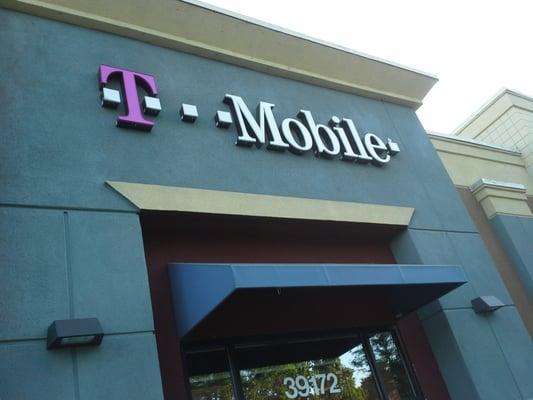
(501, 198)
(472, 143)
(491, 111)
(190, 28)
(170, 198)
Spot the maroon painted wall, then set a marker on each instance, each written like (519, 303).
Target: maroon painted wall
(182, 237)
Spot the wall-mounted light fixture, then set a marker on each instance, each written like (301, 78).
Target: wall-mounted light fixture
(74, 332)
(484, 304)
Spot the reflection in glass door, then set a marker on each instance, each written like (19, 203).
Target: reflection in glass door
(327, 369)
(390, 366)
(355, 367)
(209, 376)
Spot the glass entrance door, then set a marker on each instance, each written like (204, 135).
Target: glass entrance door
(361, 366)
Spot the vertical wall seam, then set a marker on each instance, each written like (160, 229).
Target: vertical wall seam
(522, 226)
(459, 258)
(70, 288)
(69, 264)
(522, 395)
(457, 349)
(513, 247)
(525, 234)
(490, 325)
(75, 374)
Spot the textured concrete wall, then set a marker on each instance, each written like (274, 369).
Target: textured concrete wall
(61, 264)
(516, 235)
(467, 162)
(509, 129)
(69, 146)
(481, 357)
(513, 129)
(72, 247)
(503, 262)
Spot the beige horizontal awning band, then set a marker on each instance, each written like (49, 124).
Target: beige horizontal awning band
(171, 198)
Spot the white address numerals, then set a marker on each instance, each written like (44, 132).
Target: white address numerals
(300, 386)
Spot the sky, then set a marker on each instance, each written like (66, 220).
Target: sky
(475, 48)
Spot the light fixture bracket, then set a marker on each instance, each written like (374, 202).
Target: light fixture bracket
(485, 304)
(74, 332)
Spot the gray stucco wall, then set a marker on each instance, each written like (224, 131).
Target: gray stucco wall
(516, 235)
(61, 264)
(71, 247)
(60, 146)
(480, 356)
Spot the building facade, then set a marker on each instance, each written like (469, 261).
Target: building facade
(245, 213)
(489, 160)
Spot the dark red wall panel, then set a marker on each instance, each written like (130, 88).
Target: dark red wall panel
(175, 238)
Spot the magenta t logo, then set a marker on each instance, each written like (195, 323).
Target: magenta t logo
(130, 79)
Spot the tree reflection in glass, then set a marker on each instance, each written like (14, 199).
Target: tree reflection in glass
(209, 376)
(211, 387)
(362, 374)
(342, 374)
(350, 367)
(391, 367)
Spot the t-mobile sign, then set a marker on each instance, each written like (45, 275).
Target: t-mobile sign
(339, 138)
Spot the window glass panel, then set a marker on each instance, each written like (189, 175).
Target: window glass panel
(390, 367)
(335, 369)
(209, 377)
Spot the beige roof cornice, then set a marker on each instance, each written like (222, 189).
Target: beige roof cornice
(489, 112)
(200, 29)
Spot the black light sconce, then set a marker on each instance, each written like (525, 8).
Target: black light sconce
(484, 304)
(74, 332)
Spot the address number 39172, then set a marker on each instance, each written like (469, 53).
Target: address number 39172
(301, 386)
